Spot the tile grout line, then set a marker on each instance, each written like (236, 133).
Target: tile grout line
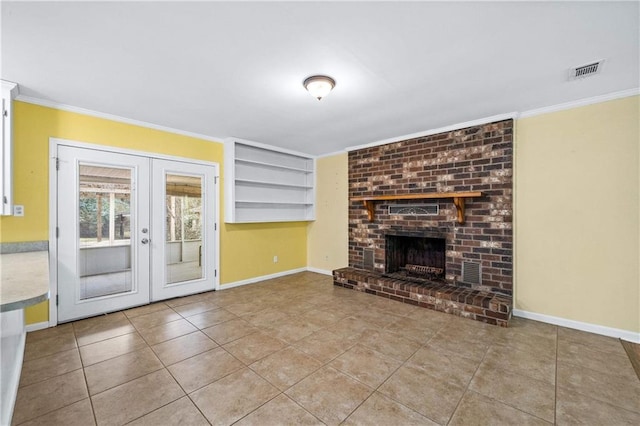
(84, 375)
(468, 385)
(249, 368)
(164, 367)
(496, 400)
(595, 397)
(186, 393)
(300, 297)
(376, 390)
(53, 377)
(378, 387)
(219, 378)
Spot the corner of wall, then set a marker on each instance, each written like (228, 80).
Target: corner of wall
(327, 236)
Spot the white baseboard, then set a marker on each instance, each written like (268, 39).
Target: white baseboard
(37, 326)
(43, 325)
(629, 336)
(260, 278)
(319, 271)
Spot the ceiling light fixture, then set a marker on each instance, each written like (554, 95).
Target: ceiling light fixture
(319, 85)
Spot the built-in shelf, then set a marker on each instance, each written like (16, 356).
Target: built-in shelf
(264, 183)
(275, 203)
(457, 197)
(267, 184)
(275, 166)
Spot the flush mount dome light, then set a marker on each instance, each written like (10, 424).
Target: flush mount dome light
(319, 85)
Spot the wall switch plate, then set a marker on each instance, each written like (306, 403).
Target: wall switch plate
(275, 259)
(18, 210)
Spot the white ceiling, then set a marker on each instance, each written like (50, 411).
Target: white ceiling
(236, 69)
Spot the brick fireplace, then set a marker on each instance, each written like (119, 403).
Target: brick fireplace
(415, 256)
(418, 251)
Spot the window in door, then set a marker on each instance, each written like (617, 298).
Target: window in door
(104, 212)
(183, 228)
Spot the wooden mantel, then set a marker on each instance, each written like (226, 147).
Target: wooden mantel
(458, 200)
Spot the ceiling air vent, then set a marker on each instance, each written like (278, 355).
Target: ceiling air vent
(585, 70)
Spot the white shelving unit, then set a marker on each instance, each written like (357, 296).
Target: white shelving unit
(267, 184)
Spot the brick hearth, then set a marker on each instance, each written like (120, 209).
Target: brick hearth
(478, 158)
(465, 302)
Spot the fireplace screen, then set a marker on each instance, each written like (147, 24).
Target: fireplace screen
(411, 257)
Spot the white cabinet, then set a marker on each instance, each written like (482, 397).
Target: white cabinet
(266, 184)
(12, 340)
(9, 91)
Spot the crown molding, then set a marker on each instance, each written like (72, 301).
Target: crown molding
(453, 127)
(458, 126)
(581, 102)
(512, 115)
(331, 154)
(269, 147)
(117, 118)
(12, 88)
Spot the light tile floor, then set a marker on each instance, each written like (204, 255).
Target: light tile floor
(297, 350)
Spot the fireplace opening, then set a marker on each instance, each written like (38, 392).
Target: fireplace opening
(415, 258)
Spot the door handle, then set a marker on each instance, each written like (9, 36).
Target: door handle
(145, 241)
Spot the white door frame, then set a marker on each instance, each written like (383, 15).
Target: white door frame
(53, 208)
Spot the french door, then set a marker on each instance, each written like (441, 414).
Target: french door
(183, 226)
(131, 229)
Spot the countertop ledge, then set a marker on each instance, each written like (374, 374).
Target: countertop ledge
(24, 279)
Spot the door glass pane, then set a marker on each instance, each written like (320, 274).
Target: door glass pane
(183, 228)
(105, 231)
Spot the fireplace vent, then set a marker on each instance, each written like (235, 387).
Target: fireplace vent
(471, 273)
(585, 70)
(367, 259)
(414, 209)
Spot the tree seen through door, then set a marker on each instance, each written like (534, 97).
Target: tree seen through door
(183, 228)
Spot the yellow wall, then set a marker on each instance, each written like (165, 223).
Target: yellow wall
(249, 249)
(328, 236)
(576, 211)
(246, 250)
(577, 204)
